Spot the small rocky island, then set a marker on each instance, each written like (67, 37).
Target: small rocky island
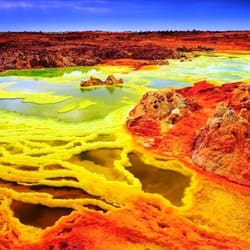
(93, 81)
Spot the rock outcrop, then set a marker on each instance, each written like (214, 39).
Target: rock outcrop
(93, 81)
(215, 138)
(111, 80)
(163, 104)
(241, 97)
(27, 50)
(222, 147)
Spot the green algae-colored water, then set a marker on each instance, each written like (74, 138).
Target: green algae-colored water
(49, 72)
(55, 134)
(56, 93)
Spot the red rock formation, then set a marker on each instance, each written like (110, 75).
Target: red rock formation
(241, 97)
(43, 50)
(160, 105)
(223, 146)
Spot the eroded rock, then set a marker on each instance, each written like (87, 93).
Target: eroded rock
(93, 81)
(111, 80)
(241, 97)
(26, 50)
(163, 105)
(223, 146)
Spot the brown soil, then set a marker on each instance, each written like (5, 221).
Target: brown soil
(38, 50)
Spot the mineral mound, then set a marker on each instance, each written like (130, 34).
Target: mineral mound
(241, 97)
(164, 104)
(93, 81)
(215, 138)
(159, 109)
(222, 146)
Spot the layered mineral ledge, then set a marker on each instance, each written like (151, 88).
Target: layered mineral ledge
(86, 172)
(146, 224)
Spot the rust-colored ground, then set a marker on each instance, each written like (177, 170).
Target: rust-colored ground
(218, 213)
(144, 225)
(212, 139)
(39, 50)
(222, 131)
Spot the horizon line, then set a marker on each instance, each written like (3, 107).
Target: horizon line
(120, 31)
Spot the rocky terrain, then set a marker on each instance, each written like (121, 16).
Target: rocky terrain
(206, 123)
(93, 81)
(241, 97)
(38, 50)
(222, 146)
(163, 105)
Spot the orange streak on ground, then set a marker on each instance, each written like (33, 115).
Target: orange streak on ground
(142, 224)
(136, 64)
(220, 204)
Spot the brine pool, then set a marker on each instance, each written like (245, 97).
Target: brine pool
(56, 93)
(66, 147)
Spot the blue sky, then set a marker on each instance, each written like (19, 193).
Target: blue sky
(119, 15)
